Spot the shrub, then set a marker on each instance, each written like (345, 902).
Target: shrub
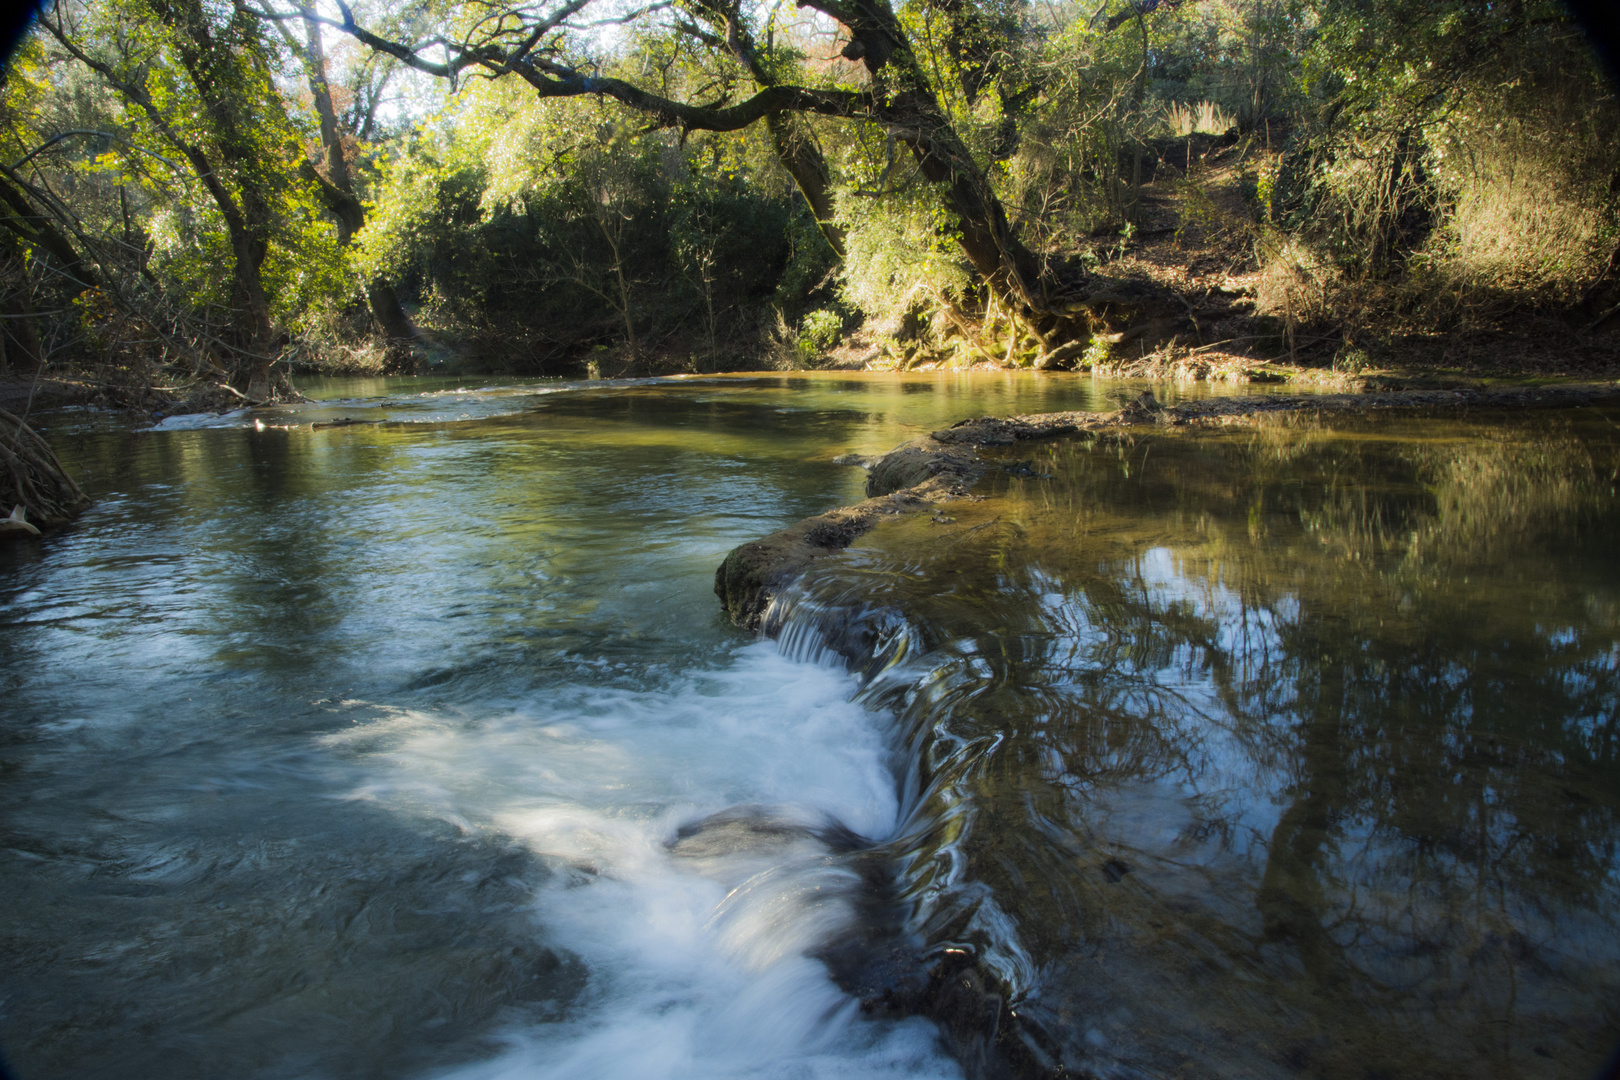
(818, 332)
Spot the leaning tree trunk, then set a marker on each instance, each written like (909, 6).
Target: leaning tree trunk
(33, 479)
(20, 350)
(337, 187)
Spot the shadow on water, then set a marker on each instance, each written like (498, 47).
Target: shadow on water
(1275, 752)
(421, 745)
(367, 751)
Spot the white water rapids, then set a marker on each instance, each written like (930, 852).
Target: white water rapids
(696, 945)
(367, 752)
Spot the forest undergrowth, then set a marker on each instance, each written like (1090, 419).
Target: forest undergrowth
(199, 203)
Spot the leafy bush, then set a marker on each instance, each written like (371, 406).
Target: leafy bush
(818, 332)
(900, 257)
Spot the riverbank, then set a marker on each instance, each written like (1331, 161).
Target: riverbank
(23, 396)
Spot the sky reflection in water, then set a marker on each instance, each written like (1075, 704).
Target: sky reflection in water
(395, 749)
(1297, 745)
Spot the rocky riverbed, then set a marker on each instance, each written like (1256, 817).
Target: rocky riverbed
(1159, 821)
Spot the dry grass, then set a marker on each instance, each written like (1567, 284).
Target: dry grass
(1204, 116)
(1529, 205)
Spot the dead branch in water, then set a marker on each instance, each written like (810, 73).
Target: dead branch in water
(31, 477)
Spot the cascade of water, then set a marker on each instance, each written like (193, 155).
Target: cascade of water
(966, 965)
(705, 838)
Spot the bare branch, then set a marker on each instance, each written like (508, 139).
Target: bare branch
(621, 20)
(54, 139)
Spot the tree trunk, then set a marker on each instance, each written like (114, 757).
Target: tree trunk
(796, 148)
(337, 166)
(338, 188)
(22, 352)
(21, 218)
(226, 69)
(390, 315)
(803, 160)
(623, 286)
(220, 77)
(908, 107)
(1008, 267)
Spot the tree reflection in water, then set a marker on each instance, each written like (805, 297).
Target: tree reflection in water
(1267, 752)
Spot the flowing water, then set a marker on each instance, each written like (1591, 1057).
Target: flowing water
(419, 746)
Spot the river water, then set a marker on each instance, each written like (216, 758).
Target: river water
(419, 746)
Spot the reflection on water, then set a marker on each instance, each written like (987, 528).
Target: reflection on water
(1278, 752)
(420, 747)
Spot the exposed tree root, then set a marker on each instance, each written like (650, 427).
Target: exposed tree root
(31, 477)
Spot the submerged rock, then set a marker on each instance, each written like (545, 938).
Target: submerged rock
(912, 478)
(1060, 901)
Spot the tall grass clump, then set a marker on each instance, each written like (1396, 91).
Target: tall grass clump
(1204, 117)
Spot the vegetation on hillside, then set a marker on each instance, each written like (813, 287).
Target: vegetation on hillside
(201, 197)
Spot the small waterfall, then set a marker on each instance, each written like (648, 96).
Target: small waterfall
(703, 913)
(965, 964)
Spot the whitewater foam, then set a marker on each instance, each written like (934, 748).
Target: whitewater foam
(686, 821)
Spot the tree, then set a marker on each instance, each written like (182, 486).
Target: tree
(200, 84)
(337, 187)
(900, 97)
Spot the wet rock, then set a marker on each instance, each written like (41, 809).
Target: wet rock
(918, 463)
(1144, 410)
(752, 573)
(910, 479)
(991, 431)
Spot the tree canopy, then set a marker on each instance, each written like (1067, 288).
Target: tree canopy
(200, 192)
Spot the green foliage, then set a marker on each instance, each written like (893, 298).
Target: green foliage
(1454, 149)
(1468, 152)
(1096, 355)
(178, 174)
(819, 331)
(540, 230)
(900, 255)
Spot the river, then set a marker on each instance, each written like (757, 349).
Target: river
(418, 746)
